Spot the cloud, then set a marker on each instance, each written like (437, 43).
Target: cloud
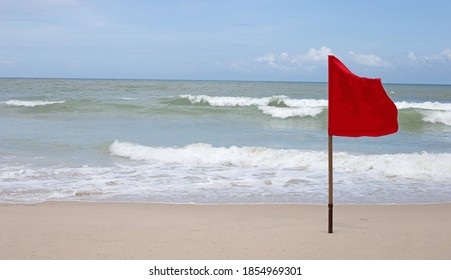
(446, 54)
(370, 60)
(443, 57)
(285, 61)
(412, 56)
(269, 58)
(317, 55)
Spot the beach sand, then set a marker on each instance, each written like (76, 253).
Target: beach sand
(78, 230)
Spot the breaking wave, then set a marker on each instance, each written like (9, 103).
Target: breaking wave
(278, 106)
(412, 165)
(282, 107)
(27, 103)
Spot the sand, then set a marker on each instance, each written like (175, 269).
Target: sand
(77, 230)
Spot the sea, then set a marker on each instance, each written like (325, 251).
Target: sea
(213, 142)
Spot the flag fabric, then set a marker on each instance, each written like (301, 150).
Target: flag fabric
(358, 106)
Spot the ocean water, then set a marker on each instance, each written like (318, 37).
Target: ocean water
(213, 142)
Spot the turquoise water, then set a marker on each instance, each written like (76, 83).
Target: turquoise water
(213, 142)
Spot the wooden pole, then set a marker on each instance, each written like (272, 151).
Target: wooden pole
(331, 190)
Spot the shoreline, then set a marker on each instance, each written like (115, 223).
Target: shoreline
(138, 202)
(124, 230)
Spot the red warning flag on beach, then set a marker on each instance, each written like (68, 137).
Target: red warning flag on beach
(358, 106)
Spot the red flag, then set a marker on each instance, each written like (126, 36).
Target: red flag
(358, 106)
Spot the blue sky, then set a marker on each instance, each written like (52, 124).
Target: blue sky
(273, 40)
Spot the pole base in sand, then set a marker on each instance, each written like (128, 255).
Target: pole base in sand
(331, 206)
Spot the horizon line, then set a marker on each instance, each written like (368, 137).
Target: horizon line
(206, 80)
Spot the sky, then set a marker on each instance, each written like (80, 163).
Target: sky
(258, 40)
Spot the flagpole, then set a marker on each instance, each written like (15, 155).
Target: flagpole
(331, 191)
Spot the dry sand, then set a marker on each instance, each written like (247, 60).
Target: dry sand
(76, 230)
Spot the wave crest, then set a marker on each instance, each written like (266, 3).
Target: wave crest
(28, 103)
(414, 165)
(277, 106)
(432, 112)
(201, 153)
(282, 107)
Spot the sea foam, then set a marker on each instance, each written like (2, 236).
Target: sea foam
(282, 107)
(27, 103)
(424, 105)
(277, 106)
(413, 165)
(433, 112)
(206, 154)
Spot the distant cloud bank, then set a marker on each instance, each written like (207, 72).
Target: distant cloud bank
(313, 58)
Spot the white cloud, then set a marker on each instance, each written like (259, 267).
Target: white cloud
(370, 60)
(269, 58)
(412, 56)
(313, 62)
(309, 60)
(317, 55)
(446, 53)
(442, 57)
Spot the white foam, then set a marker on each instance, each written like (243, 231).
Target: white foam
(201, 153)
(304, 103)
(285, 106)
(226, 101)
(282, 107)
(202, 173)
(283, 113)
(424, 105)
(433, 112)
(25, 103)
(443, 117)
(414, 165)
(221, 101)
